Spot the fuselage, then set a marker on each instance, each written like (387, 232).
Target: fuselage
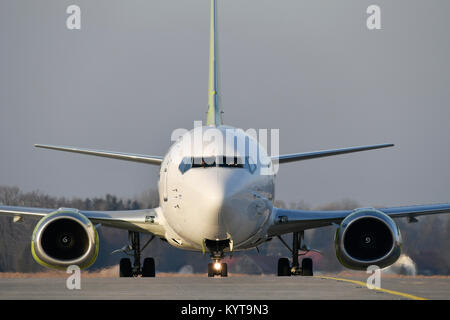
(211, 187)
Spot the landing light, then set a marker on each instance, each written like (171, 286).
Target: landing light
(217, 266)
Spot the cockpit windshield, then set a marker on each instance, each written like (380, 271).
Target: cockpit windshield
(220, 161)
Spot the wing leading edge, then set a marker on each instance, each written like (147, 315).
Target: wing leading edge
(156, 160)
(286, 221)
(145, 220)
(326, 153)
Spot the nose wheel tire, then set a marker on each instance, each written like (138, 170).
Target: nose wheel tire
(125, 269)
(148, 268)
(284, 269)
(213, 271)
(210, 270)
(224, 270)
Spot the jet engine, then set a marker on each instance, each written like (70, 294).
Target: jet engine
(63, 238)
(367, 237)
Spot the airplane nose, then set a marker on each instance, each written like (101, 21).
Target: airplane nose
(213, 196)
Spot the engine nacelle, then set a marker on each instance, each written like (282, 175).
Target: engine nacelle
(63, 238)
(367, 237)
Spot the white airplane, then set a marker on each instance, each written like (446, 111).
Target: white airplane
(217, 198)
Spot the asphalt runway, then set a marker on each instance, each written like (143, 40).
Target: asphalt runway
(231, 288)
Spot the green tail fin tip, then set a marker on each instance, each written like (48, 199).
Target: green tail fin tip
(214, 116)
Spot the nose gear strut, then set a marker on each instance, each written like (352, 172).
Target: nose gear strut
(216, 248)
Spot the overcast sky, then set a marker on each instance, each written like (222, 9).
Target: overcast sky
(139, 69)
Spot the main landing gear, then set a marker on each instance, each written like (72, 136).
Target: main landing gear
(125, 267)
(298, 243)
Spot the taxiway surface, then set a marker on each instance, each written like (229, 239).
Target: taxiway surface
(231, 288)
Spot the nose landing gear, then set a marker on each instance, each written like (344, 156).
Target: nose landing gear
(217, 269)
(216, 247)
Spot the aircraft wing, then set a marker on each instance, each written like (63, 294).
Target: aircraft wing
(325, 153)
(107, 154)
(286, 221)
(145, 220)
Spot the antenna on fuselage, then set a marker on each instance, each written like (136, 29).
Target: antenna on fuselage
(214, 115)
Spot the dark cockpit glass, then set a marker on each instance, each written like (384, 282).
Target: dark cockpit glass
(230, 162)
(221, 162)
(207, 162)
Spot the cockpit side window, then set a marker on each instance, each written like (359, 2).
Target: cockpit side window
(250, 164)
(185, 165)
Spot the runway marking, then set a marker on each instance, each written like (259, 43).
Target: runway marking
(405, 295)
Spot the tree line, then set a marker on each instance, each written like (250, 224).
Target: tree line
(426, 242)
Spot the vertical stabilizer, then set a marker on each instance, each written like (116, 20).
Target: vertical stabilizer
(214, 116)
